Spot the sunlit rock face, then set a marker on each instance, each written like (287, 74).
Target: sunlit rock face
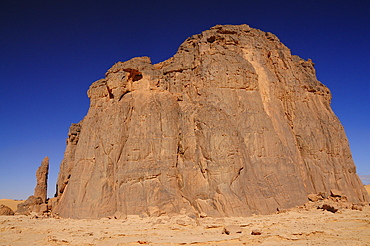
(232, 125)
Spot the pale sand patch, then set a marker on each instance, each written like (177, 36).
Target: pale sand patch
(294, 227)
(11, 203)
(367, 187)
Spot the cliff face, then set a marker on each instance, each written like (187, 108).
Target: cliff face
(231, 125)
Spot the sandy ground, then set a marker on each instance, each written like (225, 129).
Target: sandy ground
(294, 227)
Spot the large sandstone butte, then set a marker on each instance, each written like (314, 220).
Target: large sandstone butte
(232, 125)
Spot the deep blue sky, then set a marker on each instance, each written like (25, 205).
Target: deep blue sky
(52, 50)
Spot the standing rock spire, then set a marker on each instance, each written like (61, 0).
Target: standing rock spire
(42, 180)
(37, 202)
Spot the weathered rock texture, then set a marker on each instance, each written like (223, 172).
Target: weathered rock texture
(38, 202)
(5, 210)
(42, 180)
(232, 125)
(32, 205)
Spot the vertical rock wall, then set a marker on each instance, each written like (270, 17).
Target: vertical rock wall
(231, 125)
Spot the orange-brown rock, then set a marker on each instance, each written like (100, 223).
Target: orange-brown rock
(38, 202)
(42, 180)
(232, 125)
(32, 204)
(5, 210)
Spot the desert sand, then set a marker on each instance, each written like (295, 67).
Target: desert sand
(294, 227)
(297, 226)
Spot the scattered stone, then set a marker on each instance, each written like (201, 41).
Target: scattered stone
(52, 239)
(232, 229)
(329, 208)
(335, 193)
(314, 197)
(256, 232)
(357, 207)
(344, 198)
(324, 195)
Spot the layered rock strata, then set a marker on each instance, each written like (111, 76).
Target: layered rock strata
(232, 125)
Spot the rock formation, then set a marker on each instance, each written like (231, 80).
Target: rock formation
(42, 180)
(38, 202)
(232, 125)
(32, 205)
(5, 210)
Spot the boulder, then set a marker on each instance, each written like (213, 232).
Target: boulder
(256, 232)
(32, 204)
(232, 229)
(5, 210)
(336, 193)
(329, 207)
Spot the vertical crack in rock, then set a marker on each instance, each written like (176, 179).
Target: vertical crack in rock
(233, 124)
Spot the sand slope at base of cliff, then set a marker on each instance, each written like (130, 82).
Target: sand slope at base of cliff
(294, 227)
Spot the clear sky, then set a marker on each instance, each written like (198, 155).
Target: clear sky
(52, 50)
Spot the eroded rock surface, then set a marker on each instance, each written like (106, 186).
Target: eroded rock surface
(42, 180)
(232, 125)
(5, 210)
(38, 202)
